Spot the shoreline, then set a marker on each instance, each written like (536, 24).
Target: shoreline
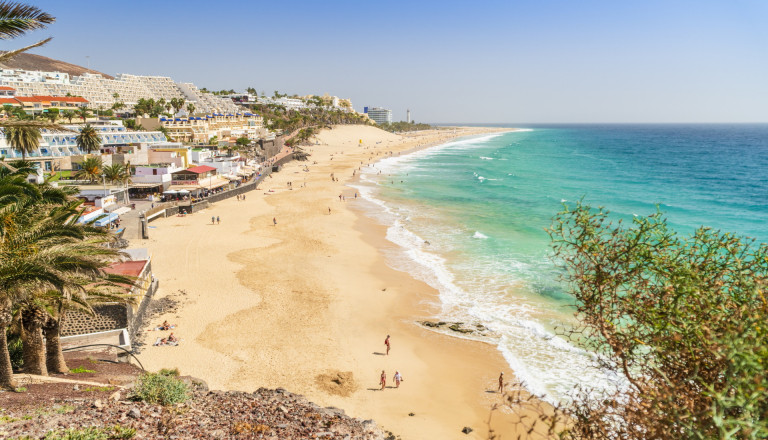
(310, 300)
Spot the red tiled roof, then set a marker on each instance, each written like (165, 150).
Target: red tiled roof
(9, 101)
(128, 268)
(200, 169)
(71, 99)
(44, 98)
(6, 88)
(27, 98)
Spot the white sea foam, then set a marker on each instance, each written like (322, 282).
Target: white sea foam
(389, 164)
(486, 158)
(548, 364)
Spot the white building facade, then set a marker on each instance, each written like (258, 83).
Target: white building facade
(380, 115)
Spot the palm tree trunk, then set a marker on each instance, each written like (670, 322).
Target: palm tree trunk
(6, 369)
(54, 358)
(32, 321)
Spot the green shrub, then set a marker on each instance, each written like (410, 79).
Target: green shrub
(92, 433)
(81, 370)
(160, 388)
(169, 372)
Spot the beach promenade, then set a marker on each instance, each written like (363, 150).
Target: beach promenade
(284, 293)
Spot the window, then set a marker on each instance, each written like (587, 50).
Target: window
(48, 166)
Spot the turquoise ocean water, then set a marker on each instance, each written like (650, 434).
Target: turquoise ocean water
(469, 217)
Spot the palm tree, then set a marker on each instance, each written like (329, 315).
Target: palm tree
(83, 112)
(52, 114)
(90, 170)
(69, 115)
(23, 138)
(88, 140)
(190, 108)
(117, 173)
(177, 104)
(73, 254)
(87, 284)
(16, 19)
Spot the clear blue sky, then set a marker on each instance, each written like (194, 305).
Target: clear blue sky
(448, 61)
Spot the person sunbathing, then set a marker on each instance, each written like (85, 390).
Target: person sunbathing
(172, 338)
(165, 326)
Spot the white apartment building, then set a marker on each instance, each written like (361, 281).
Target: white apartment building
(197, 129)
(380, 115)
(58, 150)
(288, 103)
(102, 93)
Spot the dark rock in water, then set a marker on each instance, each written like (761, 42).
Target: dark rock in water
(467, 430)
(431, 324)
(457, 328)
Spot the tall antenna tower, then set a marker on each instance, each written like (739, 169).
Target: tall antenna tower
(408, 115)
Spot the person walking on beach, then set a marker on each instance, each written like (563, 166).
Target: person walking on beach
(501, 382)
(218, 220)
(274, 221)
(383, 380)
(397, 378)
(386, 342)
(213, 220)
(329, 210)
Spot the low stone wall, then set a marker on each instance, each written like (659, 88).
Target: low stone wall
(106, 317)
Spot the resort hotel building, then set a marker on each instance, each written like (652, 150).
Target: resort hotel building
(103, 93)
(379, 115)
(200, 129)
(58, 150)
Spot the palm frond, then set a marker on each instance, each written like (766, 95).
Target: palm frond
(5, 56)
(16, 19)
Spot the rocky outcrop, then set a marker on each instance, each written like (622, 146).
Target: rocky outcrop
(268, 414)
(459, 327)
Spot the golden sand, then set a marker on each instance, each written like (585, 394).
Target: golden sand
(306, 304)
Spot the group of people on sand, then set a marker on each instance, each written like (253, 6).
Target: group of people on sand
(241, 198)
(397, 378)
(215, 220)
(170, 339)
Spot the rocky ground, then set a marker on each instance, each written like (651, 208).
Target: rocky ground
(39, 409)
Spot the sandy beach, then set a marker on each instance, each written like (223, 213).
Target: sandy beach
(306, 303)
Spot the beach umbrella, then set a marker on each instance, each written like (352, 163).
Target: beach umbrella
(183, 191)
(170, 191)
